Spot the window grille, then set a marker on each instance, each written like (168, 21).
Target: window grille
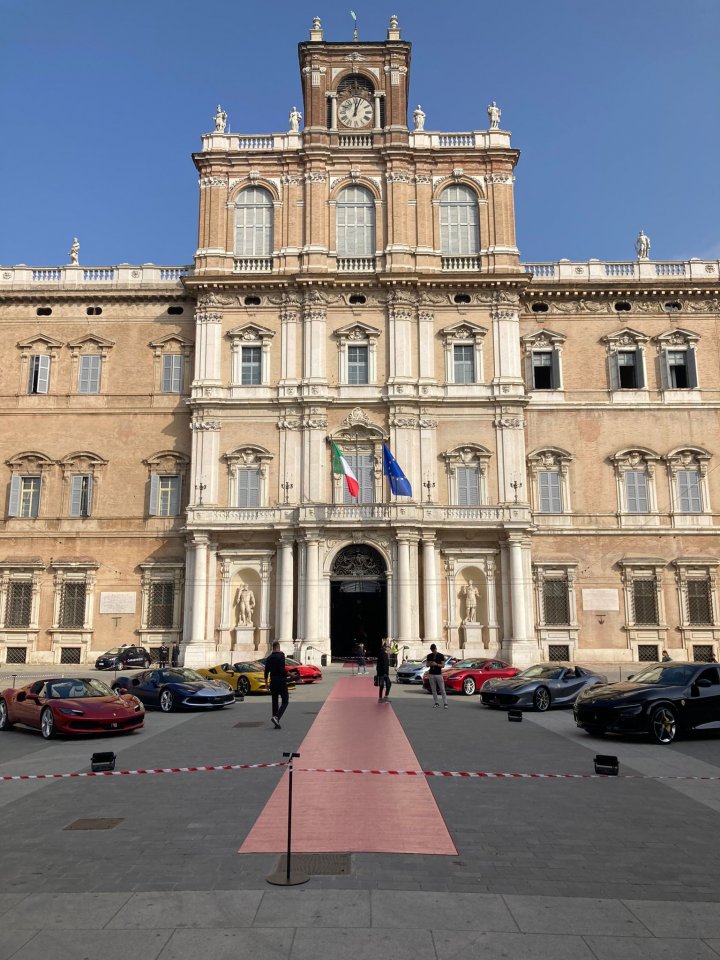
(248, 487)
(69, 654)
(363, 466)
(464, 363)
(645, 605)
(459, 230)
(689, 495)
(358, 368)
(89, 379)
(39, 380)
(703, 652)
(16, 654)
(19, 604)
(558, 652)
(172, 373)
(251, 372)
(355, 219)
(636, 491)
(72, 605)
(254, 223)
(154, 654)
(648, 653)
(161, 604)
(550, 492)
(699, 602)
(556, 602)
(468, 486)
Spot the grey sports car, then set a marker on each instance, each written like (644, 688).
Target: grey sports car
(413, 671)
(541, 686)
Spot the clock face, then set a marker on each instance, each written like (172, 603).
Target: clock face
(355, 112)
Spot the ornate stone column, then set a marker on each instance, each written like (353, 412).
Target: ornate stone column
(284, 592)
(491, 603)
(198, 648)
(204, 460)
(431, 580)
(207, 348)
(312, 589)
(210, 591)
(264, 628)
(407, 591)
(522, 650)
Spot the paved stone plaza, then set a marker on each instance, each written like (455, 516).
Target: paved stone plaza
(589, 868)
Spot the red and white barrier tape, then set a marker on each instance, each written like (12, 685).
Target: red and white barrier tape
(467, 774)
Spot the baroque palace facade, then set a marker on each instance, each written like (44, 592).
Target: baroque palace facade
(167, 440)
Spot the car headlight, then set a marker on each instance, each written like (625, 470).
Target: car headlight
(584, 693)
(138, 706)
(630, 709)
(71, 711)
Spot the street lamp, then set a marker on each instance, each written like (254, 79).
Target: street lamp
(429, 485)
(286, 487)
(516, 484)
(200, 487)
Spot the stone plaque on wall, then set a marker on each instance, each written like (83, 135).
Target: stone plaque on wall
(117, 602)
(600, 600)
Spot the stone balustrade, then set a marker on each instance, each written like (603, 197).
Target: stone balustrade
(418, 139)
(624, 271)
(73, 276)
(490, 515)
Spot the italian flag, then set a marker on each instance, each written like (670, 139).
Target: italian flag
(341, 466)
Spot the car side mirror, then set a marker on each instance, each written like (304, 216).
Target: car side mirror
(33, 698)
(703, 682)
(630, 676)
(20, 698)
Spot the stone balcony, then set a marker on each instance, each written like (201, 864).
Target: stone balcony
(75, 276)
(624, 271)
(417, 139)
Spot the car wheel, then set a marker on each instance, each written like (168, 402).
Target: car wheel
(243, 686)
(47, 724)
(167, 701)
(541, 700)
(4, 718)
(468, 686)
(663, 725)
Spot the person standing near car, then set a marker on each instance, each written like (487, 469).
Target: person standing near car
(382, 669)
(163, 655)
(275, 670)
(435, 662)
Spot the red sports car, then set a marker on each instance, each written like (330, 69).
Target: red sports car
(467, 676)
(307, 672)
(70, 705)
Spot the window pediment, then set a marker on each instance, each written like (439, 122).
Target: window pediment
(250, 333)
(677, 337)
(625, 339)
(550, 458)
(167, 461)
(468, 455)
(688, 458)
(357, 331)
(247, 456)
(30, 460)
(635, 458)
(357, 424)
(40, 340)
(543, 340)
(462, 331)
(100, 344)
(172, 343)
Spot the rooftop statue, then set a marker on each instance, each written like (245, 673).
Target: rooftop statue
(494, 113)
(220, 119)
(419, 118)
(295, 118)
(642, 246)
(74, 251)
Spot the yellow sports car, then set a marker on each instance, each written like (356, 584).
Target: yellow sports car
(244, 677)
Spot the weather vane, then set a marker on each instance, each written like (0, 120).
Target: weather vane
(355, 33)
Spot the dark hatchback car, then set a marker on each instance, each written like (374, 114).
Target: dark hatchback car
(123, 657)
(662, 700)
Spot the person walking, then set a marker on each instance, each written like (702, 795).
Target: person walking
(435, 662)
(275, 670)
(382, 669)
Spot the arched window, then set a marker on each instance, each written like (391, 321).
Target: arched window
(254, 223)
(355, 223)
(459, 230)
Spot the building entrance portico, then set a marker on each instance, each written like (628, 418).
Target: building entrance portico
(358, 600)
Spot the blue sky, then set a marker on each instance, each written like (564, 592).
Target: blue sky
(614, 105)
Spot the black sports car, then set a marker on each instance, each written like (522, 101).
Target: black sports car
(125, 656)
(539, 687)
(662, 700)
(174, 688)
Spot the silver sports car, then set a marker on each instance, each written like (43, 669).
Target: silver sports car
(541, 686)
(413, 671)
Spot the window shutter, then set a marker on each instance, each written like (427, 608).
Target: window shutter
(242, 488)
(468, 486)
(39, 374)
(89, 488)
(639, 370)
(366, 477)
(665, 381)
(550, 498)
(461, 474)
(614, 371)
(175, 496)
(636, 491)
(253, 488)
(556, 381)
(76, 488)
(689, 491)
(14, 505)
(692, 367)
(154, 491)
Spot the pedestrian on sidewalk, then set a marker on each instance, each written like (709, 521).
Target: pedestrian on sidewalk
(382, 670)
(164, 655)
(275, 670)
(394, 650)
(362, 660)
(666, 658)
(435, 662)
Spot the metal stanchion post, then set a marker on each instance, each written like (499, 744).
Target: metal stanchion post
(289, 878)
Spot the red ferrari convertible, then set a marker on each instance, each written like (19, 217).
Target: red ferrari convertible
(467, 676)
(70, 705)
(307, 672)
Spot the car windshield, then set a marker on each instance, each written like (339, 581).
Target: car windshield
(542, 672)
(253, 667)
(291, 662)
(77, 689)
(179, 675)
(463, 664)
(114, 652)
(667, 675)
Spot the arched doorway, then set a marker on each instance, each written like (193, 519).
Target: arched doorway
(358, 600)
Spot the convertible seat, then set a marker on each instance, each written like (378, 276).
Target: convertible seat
(355, 813)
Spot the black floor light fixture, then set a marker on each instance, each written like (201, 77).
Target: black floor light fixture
(606, 765)
(102, 762)
(515, 716)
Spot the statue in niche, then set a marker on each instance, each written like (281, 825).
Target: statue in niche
(419, 118)
(295, 118)
(471, 596)
(494, 113)
(642, 246)
(220, 119)
(74, 252)
(245, 602)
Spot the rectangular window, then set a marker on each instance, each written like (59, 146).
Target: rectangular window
(636, 491)
(542, 370)
(172, 373)
(677, 369)
(248, 487)
(39, 381)
(645, 606)
(699, 602)
(161, 604)
(468, 486)
(19, 603)
(628, 369)
(168, 494)
(358, 369)
(72, 603)
(556, 602)
(251, 373)
(25, 497)
(464, 363)
(363, 466)
(689, 495)
(81, 495)
(550, 495)
(89, 377)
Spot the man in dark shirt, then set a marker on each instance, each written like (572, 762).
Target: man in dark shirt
(383, 674)
(275, 670)
(435, 662)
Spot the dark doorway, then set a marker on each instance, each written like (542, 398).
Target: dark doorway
(358, 601)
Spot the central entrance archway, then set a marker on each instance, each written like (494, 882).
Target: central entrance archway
(358, 601)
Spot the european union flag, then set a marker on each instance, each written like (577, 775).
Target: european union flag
(399, 483)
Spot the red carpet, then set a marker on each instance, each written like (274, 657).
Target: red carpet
(344, 812)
